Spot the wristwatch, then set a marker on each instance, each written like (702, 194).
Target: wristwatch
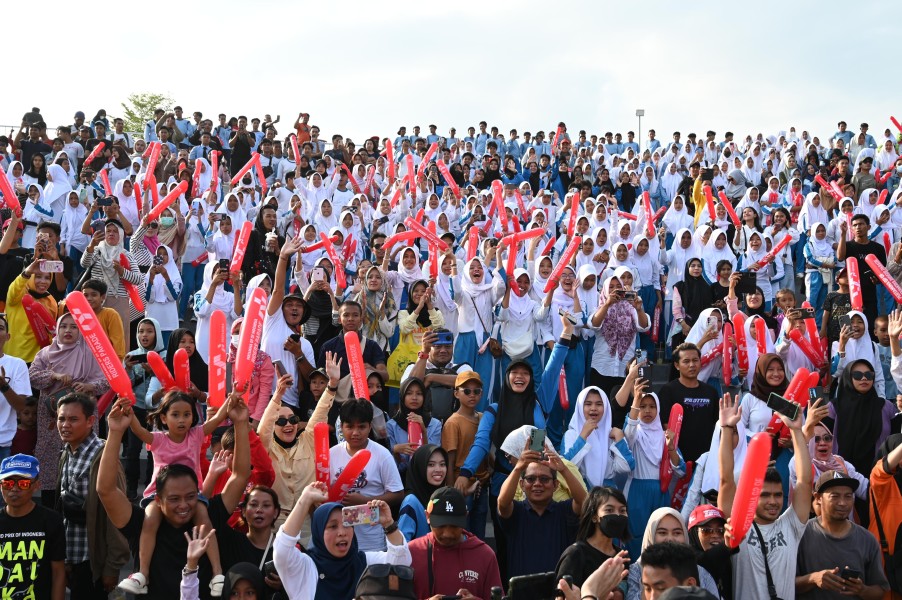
(4, 387)
(422, 355)
(391, 528)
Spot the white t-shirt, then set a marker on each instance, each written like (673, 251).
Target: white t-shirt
(782, 539)
(275, 332)
(17, 371)
(380, 476)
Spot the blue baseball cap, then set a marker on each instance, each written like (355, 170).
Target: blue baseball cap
(19, 465)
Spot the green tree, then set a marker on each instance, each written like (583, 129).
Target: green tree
(139, 109)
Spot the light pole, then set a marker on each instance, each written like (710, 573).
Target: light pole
(640, 112)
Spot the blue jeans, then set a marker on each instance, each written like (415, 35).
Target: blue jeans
(817, 293)
(192, 280)
(77, 271)
(477, 511)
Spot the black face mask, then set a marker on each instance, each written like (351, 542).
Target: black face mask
(614, 526)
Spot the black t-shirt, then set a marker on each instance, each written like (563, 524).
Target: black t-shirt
(29, 149)
(28, 545)
(234, 546)
(373, 355)
(579, 561)
(700, 413)
(170, 555)
(11, 266)
(868, 279)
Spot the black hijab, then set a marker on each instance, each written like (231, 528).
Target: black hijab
(859, 420)
(424, 411)
(695, 293)
(514, 410)
(197, 366)
(772, 323)
(423, 319)
(416, 473)
(243, 570)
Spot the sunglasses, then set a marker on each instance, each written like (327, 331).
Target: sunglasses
(384, 570)
(471, 391)
(8, 484)
(710, 530)
(866, 375)
(543, 479)
(283, 421)
(823, 438)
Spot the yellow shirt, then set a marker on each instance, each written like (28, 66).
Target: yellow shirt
(22, 343)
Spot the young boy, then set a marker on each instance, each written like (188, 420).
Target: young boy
(95, 292)
(458, 436)
(881, 330)
(786, 301)
(836, 305)
(26, 437)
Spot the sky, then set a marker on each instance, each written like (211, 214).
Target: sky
(363, 68)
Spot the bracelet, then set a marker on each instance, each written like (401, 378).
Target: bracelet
(332, 389)
(728, 427)
(391, 528)
(589, 596)
(186, 571)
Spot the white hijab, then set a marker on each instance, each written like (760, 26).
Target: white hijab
(594, 463)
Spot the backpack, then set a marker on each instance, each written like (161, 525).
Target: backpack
(441, 398)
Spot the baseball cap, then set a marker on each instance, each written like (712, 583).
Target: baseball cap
(465, 376)
(704, 513)
(79, 115)
(19, 465)
(300, 297)
(385, 581)
(320, 372)
(8, 222)
(829, 479)
(447, 507)
(687, 592)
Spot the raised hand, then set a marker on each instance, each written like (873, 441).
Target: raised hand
(730, 411)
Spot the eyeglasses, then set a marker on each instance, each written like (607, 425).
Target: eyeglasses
(543, 479)
(866, 375)
(710, 530)
(471, 391)
(823, 438)
(24, 484)
(283, 421)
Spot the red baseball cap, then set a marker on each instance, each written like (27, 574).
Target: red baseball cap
(704, 513)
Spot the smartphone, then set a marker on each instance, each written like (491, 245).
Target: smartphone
(139, 358)
(712, 322)
(216, 217)
(848, 573)
(280, 368)
(51, 266)
(537, 440)
(158, 261)
(269, 569)
(807, 313)
(195, 205)
(318, 274)
(570, 318)
(353, 516)
(383, 220)
(748, 280)
(224, 264)
(845, 321)
(295, 337)
(627, 295)
(812, 395)
(445, 338)
(785, 407)
(106, 201)
(641, 357)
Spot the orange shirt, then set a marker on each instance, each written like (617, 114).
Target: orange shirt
(889, 503)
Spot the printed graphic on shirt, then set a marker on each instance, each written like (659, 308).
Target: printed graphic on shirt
(20, 559)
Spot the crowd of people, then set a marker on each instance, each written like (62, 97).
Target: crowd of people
(571, 337)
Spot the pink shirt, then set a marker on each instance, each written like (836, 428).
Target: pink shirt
(167, 452)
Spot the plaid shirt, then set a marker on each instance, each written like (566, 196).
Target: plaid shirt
(75, 478)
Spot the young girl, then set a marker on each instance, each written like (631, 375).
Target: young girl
(855, 344)
(820, 259)
(150, 339)
(519, 322)
(648, 269)
(427, 473)
(716, 250)
(587, 442)
(647, 438)
(177, 439)
(163, 285)
(412, 409)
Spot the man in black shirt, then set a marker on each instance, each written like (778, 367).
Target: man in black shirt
(241, 143)
(32, 538)
(685, 188)
(12, 254)
(860, 248)
(699, 401)
(177, 496)
(37, 142)
(350, 315)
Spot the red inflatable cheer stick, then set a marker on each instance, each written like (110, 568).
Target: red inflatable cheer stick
(9, 196)
(404, 236)
(334, 240)
(139, 201)
(161, 371)
(396, 196)
(881, 199)
(574, 211)
(434, 258)
(729, 207)
(133, 291)
(154, 158)
(339, 268)
(563, 395)
(805, 346)
(446, 174)
(649, 216)
(411, 175)
(261, 177)
(240, 250)
(349, 475)
(100, 345)
(472, 242)
(659, 214)
(414, 434)
(884, 276)
(709, 200)
(422, 232)
(390, 159)
(742, 351)
(182, 370)
(368, 180)
(214, 167)
(767, 258)
(216, 383)
(356, 366)
(794, 388)
(811, 327)
(104, 402)
(745, 502)
(426, 158)
(524, 214)
(353, 181)
(195, 179)
(656, 324)
(823, 183)
(708, 358)
(97, 151)
(163, 204)
(321, 447)
(249, 339)
(548, 246)
(674, 424)
(854, 283)
(727, 353)
(247, 167)
(887, 245)
(626, 215)
(563, 263)
(35, 313)
(896, 123)
(761, 336)
(105, 178)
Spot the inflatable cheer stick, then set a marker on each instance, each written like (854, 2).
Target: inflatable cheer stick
(105, 178)
(414, 225)
(811, 327)
(368, 180)
(472, 242)
(163, 204)
(708, 358)
(563, 395)
(896, 123)
(161, 371)
(294, 149)
(854, 283)
(524, 214)
(887, 245)
(745, 502)
(97, 151)
(396, 196)
(349, 476)
(258, 168)
(414, 435)
(100, 345)
(240, 250)
(404, 236)
(338, 265)
(562, 263)
(321, 447)
(761, 336)
(498, 202)
(195, 179)
(247, 167)
(134, 293)
(9, 196)
(548, 246)
(626, 215)
(767, 258)
(729, 208)
(139, 200)
(249, 339)
(799, 379)
(655, 324)
(411, 175)
(182, 370)
(148, 150)
(426, 158)
(574, 209)
(154, 158)
(104, 402)
(38, 325)
(823, 183)
(216, 384)
(154, 190)
(742, 351)
(214, 167)
(334, 240)
(659, 214)
(836, 188)
(356, 366)
(446, 174)
(881, 199)
(805, 346)
(884, 276)
(727, 353)
(649, 216)
(433, 262)
(353, 181)
(390, 159)
(674, 424)
(709, 200)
